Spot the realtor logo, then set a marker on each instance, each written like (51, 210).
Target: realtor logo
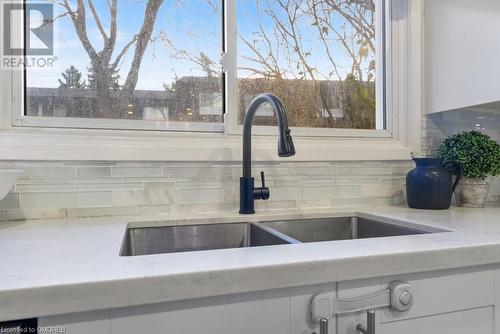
(27, 35)
(39, 29)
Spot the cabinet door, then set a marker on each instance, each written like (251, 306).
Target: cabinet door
(346, 324)
(476, 321)
(300, 311)
(264, 312)
(96, 322)
(446, 291)
(461, 53)
(448, 301)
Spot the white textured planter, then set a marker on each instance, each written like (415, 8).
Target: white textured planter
(472, 193)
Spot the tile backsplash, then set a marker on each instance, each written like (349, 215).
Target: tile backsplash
(437, 127)
(86, 189)
(89, 189)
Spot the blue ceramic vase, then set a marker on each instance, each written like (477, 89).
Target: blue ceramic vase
(429, 186)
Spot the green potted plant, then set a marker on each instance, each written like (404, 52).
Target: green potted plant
(475, 158)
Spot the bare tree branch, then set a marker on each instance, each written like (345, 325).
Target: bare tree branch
(123, 53)
(150, 14)
(97, 20)
(79, 21)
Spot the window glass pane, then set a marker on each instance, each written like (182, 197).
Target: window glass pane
(161, 61)
(317, 56)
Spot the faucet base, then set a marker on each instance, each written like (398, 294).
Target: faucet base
(246, 196)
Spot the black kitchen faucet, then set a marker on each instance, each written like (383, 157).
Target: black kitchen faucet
(248, 192)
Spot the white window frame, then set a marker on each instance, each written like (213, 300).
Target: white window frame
(69, 139)
(230, 65)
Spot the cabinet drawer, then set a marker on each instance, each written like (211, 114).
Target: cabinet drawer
(477, 321)
(261, 312)
(95, 322)
(446, 291)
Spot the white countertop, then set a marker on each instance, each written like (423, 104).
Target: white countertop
(62, 266)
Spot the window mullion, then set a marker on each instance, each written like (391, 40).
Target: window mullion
(382, 112)
(230, 67)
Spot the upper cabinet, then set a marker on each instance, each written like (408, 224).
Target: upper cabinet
(462, 54)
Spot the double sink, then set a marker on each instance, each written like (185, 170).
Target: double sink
(199, 237)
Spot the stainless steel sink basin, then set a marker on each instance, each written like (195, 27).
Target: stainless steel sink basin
(343, 228)
(187, 238)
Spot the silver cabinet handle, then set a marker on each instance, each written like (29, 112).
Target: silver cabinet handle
(323, 326)
(370, 323)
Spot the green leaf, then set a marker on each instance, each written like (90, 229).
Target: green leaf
(473, 154)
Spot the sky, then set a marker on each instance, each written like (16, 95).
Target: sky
(190, 25)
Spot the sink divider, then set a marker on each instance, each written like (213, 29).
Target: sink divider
(279, 235)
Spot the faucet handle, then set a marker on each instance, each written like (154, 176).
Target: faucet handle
(263, 192)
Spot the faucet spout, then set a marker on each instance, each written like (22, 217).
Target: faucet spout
(286, 148)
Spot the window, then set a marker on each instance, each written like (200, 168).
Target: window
(163, 65)
(152, 61)
(319, 57)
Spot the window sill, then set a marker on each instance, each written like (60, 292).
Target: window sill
(104, 145)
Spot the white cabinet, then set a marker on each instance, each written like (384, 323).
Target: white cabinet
(79, 323)
(452, 301)
(462, 52)
(446, 291)
(459, 301)
(300, 300)
(266, 312)
(476, 321)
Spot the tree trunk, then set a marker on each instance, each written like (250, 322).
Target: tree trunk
(104, 101)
